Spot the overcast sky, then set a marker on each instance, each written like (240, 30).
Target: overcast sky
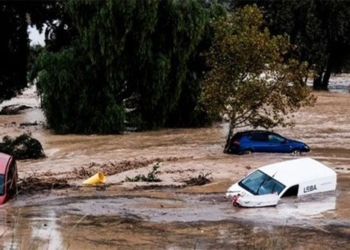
(35, 37)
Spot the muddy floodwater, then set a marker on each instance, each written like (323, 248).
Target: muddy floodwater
(171, 219)
(169, 214)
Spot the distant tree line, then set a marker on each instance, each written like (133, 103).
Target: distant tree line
(112, 64)
(320, 30)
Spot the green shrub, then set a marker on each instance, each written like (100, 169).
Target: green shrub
(151, 176)
(22, 147)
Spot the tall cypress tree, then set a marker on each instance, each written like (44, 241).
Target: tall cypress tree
(130, 61)
(143, 48)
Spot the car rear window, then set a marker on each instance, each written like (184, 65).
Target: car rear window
(236, 136)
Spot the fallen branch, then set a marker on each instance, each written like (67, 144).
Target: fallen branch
(198, 181)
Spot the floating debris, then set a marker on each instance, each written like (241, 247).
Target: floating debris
(199, 180)
(31, 184)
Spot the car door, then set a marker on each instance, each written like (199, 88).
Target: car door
(277, 144)
(259, 142)
(11, 179)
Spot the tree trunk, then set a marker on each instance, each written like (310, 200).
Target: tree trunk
(318, 81)
(327, 75)
(328, 72)
(228, 139)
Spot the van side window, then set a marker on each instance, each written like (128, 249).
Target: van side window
(292, 191)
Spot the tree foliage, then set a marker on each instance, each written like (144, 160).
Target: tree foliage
(251, 83)
(130, 61)
(23, 146)
(15, 16)
(320, 29)
(185, 112)
(73, 96)
(13, 49)
(34, 52)
(142, 48)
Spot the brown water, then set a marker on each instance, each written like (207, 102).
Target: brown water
(171, 219)
(125, 216)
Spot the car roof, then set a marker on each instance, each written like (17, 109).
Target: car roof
(4, 160)
(297, 171)
(239, 134)
(255, 132)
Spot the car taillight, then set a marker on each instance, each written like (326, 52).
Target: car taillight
(235, 143)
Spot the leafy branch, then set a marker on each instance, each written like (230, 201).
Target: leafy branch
(151, 176)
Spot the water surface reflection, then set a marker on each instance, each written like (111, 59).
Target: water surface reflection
(129, 220)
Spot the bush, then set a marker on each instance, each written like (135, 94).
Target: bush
(22, 147)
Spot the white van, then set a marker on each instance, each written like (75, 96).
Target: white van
(296, 177)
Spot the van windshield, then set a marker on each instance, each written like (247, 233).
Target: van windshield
(259, 183)
(2, 184)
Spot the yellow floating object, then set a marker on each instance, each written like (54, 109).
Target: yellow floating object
(96, 179)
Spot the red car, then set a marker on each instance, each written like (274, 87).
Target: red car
(8, 177)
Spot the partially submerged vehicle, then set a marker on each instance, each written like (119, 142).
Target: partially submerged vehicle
(8, 177)
(266, 185)
(265, 200)
(250, 141)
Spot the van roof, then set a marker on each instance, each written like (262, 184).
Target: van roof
(293, 172)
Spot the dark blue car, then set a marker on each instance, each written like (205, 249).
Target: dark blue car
(263, 141)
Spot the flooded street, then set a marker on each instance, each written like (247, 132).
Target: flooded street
(170, 219)
(135, 215)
